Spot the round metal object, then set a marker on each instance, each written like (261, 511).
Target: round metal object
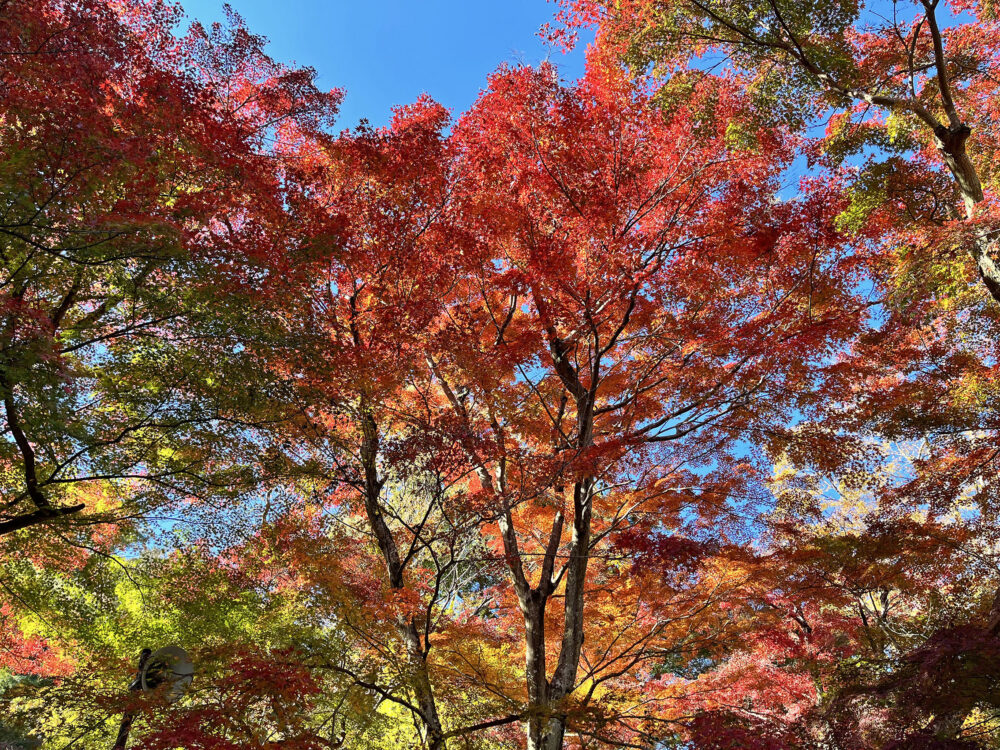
(170, 666)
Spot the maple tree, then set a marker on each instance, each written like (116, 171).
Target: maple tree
(564, 422)
(378, 197)
(906, 92)
(598, 382)
(913, 80)
(139, 178)
(135, 183)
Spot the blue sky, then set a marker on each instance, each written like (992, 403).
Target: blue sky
(386, 52)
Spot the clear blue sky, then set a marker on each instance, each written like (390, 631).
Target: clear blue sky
(386, 52)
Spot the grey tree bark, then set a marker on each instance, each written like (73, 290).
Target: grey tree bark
(416, 653)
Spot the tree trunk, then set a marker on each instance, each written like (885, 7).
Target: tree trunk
(416, 656)
(981, 251)
(547, 725)
(564, 679)
(548, 734)
(534, 665)
(433, 731)
(951, 143)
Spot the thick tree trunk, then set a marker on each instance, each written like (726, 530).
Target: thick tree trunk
(422, 689)
(951, 142)
(547, 734)
(982, 252)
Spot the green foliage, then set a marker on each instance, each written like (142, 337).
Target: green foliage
(866, 194)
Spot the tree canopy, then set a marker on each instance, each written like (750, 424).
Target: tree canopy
(657, 408)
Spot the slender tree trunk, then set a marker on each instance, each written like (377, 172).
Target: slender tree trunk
(545, 727)
(551, 722)
(416, 655)
(564, 679)
(535, 670)
(546, 724)
(576, 578)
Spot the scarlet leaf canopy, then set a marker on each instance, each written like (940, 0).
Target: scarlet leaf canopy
(573, 420)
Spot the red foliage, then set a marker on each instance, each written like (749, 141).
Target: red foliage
(28, 655)
(259, 693)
